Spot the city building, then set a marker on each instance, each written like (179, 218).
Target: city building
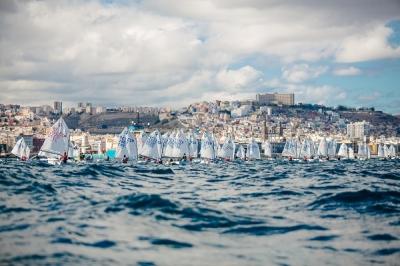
(275, 98)
(57, 107)
(241, 111)
(358, 130)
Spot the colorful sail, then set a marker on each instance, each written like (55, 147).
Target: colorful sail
(57, 141)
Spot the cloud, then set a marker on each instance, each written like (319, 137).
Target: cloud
(160, 52)
(325, 94)
(371, 44)
(239, 79)
(348, 71)
(302, 72)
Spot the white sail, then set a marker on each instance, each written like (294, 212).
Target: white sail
(207, 147)
(131, 146)
(21, 149)
(241, 153)
(57, 141)
(323, 148)
(181, 147)
(227, 150)
(351, 153)
(286, 149)
(267, 149)
(368, 152)
(386, 151)
(343, 151)
(305, 150)
(169, 146)
(216, 145)
(392, 151)
(332, 146)
(253, 151)
(381, 151)
(121, 149)
(71, 150)
(297, 149)
(363, 151)
(290, 149)
(140, 141)
(152, 146)
(27, 152)
(193, 146)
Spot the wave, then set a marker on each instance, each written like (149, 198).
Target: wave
(363, 201)
(167, 242)
(189, 218)
(271, 230)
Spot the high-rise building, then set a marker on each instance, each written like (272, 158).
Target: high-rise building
(58, 107)
(275, 98)
(358, 130)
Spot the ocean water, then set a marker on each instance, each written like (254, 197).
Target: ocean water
(258, 213)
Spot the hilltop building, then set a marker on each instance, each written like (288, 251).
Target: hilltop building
(275, 98)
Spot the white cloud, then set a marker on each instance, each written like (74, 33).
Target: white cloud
(239, 79)
(173, 52)
(302, 72)
(348, 71)
(325, 94)
(369, 45)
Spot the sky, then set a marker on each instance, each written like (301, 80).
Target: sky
(173, 53)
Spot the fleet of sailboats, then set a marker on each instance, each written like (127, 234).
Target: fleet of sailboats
(178, 145)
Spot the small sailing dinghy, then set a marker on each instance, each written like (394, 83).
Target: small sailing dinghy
(21, 150)
(253, 151)
(268, 150)
(241, 154)
(207, 149)
(127, 146)
(152, 147)
(343, 151)
(227, 151)
(56, 143)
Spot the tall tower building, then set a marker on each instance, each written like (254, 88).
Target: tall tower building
(58, 107)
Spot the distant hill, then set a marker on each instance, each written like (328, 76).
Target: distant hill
(112, 122)
(373, 117)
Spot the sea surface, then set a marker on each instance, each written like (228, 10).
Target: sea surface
(257, 213)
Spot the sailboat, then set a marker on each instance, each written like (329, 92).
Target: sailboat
(381, 151)
(227, 151)
(351, 153)
(267, 149)
(323, 148)
(253, 151)
(343, 152)
(332, 146)
(56, 142)
(152, 147)
(241, 154)
(181, 146)
(306, 150)
(290, 149)
(193, 146)
(207, 150)
(392, 151)
(21, 150)
(363, 151)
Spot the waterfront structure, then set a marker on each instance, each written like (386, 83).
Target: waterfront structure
(275, 98)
